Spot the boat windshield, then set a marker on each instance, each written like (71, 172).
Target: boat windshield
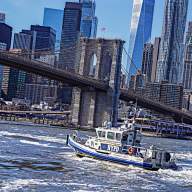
(109, 134)
(101, 134)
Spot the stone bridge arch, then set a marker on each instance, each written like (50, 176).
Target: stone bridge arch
(91, 108)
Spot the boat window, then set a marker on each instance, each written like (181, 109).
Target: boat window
(110, 135)
(99, 133)
(124, 138)
(103, 134)
(118, 136)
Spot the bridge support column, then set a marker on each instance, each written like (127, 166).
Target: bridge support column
(76, 97)
(87, 109)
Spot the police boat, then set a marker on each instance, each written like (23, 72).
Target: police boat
(122, 145)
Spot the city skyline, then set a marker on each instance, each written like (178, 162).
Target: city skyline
(115, 28)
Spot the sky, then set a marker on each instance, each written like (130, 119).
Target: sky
(114, 15)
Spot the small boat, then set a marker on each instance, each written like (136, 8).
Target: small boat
(122, 145)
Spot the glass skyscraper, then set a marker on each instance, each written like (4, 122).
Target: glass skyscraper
(5, 44)
(88, 19)
(187, 71)
(70, 35)
(141, 27)
(54, 18)
(170, 60)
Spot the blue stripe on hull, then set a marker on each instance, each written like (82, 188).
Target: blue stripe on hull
(107, 157)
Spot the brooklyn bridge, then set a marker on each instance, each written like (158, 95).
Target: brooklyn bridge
(95, 98)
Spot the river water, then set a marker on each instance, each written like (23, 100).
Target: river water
(36, 158)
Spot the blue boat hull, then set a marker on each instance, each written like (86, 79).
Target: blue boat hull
(85, 151)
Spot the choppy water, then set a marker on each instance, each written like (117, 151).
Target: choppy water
(37, 159)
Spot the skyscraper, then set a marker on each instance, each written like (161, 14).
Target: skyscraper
(45, 38)
(147, 60)
(70, 35)
(5, 34)
(54, 18)
(156, 47)
(187, 73)
(141, 26)
(170, 61)
(5, 41)
(88, 20)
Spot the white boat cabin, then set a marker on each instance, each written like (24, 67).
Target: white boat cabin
(121, 136)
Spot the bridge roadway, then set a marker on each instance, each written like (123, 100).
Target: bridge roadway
(80, 81)
(42, 69)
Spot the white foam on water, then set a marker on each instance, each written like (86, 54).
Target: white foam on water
(180, 177)
(42, 138)
(35, 143)
(184, 156)
(19, 184)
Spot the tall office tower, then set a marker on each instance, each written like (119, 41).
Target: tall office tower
(5, 34)
(2, 17)
(147, 60)
(54, 18)
(70, 36)
(69, 52)
(156, 48)
(141, 26)
(187, 73)
(45, 38)
(170, 61)
(88, 20)
(5, 40)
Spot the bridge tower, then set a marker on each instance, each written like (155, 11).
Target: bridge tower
(99, 59)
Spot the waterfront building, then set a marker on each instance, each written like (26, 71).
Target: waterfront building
(187, 72)
(88, 19)
(152, 91)
(37, 93)
(2, 17)
(156, 48)
(54, 19)
(165, 92)
(171, 49)
(147, 60)
(171, 94)
(141, 27)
